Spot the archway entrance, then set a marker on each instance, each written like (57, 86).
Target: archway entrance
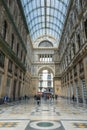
(45, 82)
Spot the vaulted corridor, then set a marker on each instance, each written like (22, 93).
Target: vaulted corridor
(43, 54)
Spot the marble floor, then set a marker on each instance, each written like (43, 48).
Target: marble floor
(55, 115)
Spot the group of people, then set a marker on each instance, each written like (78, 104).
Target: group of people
(49, 98)
(6, 99)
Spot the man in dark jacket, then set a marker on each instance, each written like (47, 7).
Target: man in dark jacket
(38, 100)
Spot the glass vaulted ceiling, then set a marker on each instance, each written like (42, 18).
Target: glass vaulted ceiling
(45, 17)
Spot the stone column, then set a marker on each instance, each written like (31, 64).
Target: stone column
(12, 82)
(4, 81)
(85, 70)
(34, 85)
(57, 86)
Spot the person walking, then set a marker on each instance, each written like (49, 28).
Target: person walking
(73, 97)
(38, 100)
(5, 99)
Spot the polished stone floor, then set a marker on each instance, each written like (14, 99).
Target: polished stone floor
(54, 115)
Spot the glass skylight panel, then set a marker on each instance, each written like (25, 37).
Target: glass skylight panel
(42, 2)
(45, 17)
(51, 25)
(55, 13)
(48, 3)
(30, 7)
(34, 14)
(48, 11)
(42, 11)
(48, 18)
(32, 23)
(38, 20)
(39, 11)
(47, 31)
(39, 25)
(61, 18)
(52, 3)
(34, 4)
(38, 3)
(64, 9)
(52, 12)
(43, 25)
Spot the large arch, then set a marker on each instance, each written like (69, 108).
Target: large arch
(45, 43)
(45, 84)
(48, 68)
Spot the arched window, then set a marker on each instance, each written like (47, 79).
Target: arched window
(85, 24)
(21, 54)
(67, 59)
(2, 59)
(81, 4)
(10, 66)
(74, 51)
(17, 48)
(9, 2)
(24, 59)
(45, 43)
(79, 41)
(12, 41)
(70, 55)
(45, 81)
(4, 29)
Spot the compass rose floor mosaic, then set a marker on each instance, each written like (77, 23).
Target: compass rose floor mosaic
(56, 115)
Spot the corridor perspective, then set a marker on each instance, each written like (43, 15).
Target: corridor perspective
(43, 58)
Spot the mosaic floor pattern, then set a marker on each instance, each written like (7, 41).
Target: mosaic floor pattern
(60, 115)
(8, 124)
(45, 125)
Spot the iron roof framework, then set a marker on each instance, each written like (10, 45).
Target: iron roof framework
(45, 17)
